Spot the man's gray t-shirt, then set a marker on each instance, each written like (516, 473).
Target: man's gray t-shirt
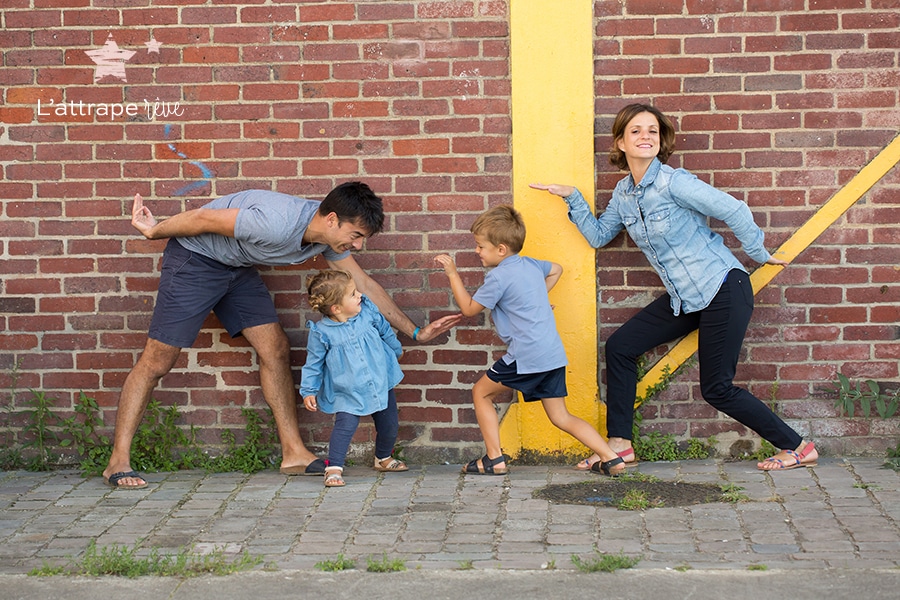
(268, 231)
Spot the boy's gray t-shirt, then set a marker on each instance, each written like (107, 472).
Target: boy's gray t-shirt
(268, 231)
(516, 292)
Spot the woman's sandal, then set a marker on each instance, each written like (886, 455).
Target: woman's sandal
(383, 465)
(607, 467)
(627, 455)
(334, 477)
(776, 464)
(487, 466)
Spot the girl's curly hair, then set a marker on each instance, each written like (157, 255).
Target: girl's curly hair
(326, 288)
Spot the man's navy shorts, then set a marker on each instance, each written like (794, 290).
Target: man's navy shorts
(192, 285)
(533, 386)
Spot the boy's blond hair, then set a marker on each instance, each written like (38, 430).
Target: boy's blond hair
(327, 288)
(501, 225)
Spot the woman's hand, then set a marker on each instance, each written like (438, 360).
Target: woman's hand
(310, 403)
(556, 189)
(777, 261)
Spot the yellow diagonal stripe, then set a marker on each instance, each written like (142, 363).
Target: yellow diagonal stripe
(826, 216)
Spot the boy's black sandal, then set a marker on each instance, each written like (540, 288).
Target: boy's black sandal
(487, 466)
(606, 467)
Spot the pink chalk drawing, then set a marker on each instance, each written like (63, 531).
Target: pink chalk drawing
(110, 60)
(152, 46)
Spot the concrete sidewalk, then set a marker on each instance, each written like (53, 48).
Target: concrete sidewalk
(842, 515)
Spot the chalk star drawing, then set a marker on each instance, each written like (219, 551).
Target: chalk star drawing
(152, 45)
(110, 60)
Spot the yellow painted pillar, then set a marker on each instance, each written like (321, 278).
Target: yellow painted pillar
(552, 68)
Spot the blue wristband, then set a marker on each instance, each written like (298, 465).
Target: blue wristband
(416, 333)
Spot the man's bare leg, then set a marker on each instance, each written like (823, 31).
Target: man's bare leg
(273, 352)
(155, 361)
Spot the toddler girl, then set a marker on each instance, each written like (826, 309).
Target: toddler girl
(351, 369)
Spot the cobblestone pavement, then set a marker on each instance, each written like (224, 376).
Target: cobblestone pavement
(842, 514)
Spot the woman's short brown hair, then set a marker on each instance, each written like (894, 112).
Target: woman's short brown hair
(666, 133)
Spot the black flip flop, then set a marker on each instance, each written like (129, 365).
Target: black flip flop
(114, 479)
(316, 467)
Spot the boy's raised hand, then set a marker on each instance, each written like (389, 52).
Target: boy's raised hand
(556, 189)
(447, 262)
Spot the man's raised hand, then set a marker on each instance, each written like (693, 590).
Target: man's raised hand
(141, 217)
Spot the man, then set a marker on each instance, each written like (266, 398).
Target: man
(208, 265)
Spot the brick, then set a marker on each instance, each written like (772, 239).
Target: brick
(390, 166)
(66, 265)
(208, 15)
(17, 305)
(330, 167)
(420, 68)
(18, 341)
(420, 147)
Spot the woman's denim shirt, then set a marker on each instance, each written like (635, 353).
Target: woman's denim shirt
(666, 216)
(351, 366)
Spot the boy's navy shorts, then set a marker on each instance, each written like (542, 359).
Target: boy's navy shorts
(533, 386)
(192, 285)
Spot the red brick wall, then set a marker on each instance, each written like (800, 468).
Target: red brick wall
(778, 105)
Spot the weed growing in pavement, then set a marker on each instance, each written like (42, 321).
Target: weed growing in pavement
(638, 476)
(122, 561)
(637, 500)
(866, 486)
(765, 451)
(656, 446)
(893, 458)
(159, 443)
(339, 563)
(466, 564)
(81, 431)
(733, 493)
(606, 563)
(757, 567)
(257, 451)
(42, 436)
(385, 564)
(10, 456)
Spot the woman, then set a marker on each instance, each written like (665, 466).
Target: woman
(665, 212)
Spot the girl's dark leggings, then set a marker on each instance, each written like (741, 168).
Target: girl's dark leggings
(387, 425)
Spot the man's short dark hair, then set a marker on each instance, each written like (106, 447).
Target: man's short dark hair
(355, 201)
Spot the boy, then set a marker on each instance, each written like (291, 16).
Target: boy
(515, 291)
